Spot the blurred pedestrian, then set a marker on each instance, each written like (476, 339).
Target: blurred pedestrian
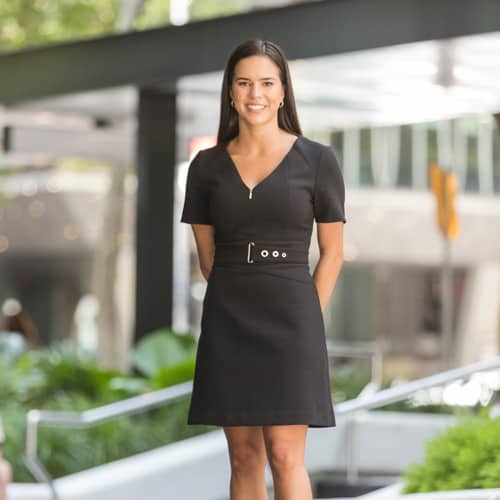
(18, 321)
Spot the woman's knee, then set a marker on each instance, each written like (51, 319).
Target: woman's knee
(246, 450)
(247, 457)
(284, 457)
(285, 447)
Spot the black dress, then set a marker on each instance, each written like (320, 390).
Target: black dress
(261, 356)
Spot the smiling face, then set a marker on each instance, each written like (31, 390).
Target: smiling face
(256, 89)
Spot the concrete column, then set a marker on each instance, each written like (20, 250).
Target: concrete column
(477, 329)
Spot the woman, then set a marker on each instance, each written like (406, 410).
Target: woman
(262, 366)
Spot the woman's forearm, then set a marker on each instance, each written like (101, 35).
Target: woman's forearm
(206, 266)
(325, 276)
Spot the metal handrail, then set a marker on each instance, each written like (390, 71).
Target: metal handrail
(402, 391)
(87, 418)
(361, 349)
(157, 398)
(354, 349)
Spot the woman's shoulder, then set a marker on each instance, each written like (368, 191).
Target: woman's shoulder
(312, 145)
(204, 159)
(207, 154)
(312, 151)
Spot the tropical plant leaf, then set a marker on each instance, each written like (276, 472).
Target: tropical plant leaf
(161, 349)
(171, 375)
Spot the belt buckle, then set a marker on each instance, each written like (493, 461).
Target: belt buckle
(250, 244)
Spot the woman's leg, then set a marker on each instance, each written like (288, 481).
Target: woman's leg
(285, 446)
(248, 459)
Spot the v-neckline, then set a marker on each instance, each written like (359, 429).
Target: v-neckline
(269, 175)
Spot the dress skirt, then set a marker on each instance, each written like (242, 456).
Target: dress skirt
(262, 355)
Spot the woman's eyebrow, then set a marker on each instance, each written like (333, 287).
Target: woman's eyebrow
(245, 78)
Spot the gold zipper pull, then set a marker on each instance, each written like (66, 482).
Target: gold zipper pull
(250, 194)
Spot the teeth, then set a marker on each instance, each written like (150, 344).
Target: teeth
(255, 106)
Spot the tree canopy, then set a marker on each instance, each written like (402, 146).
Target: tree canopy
(25, 23)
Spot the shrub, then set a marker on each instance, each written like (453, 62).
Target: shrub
(62, 379)
(464, 456)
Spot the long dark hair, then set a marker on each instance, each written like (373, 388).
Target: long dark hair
(287, 115)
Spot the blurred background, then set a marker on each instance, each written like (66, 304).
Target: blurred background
(104, 102)
(69, 177)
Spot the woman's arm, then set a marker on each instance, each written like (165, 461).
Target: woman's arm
(331, 249)
(205, 245)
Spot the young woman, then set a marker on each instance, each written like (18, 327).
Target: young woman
(262, 366)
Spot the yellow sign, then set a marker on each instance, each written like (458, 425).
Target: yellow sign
(444, 184)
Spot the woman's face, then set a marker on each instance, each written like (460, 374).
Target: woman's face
(257, 81)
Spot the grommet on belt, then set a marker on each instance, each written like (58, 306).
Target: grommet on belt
(264, 253)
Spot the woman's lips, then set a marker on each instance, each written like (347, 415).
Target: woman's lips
(256, 109)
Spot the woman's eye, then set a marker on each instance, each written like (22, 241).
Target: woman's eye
(267, 84)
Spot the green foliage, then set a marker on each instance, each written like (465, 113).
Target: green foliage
(40, 375)
(13, 419)
(154, 14)
(65, 451)
(181, 372)
(464, 456)
(162, 349)
(26, 23)
(204, 9)
(347, 381)
(38, 22)
(63, 380)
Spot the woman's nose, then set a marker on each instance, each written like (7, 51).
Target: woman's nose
(255, 90)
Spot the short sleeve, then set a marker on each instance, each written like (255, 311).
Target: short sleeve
(196, 200)
(329, 189)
